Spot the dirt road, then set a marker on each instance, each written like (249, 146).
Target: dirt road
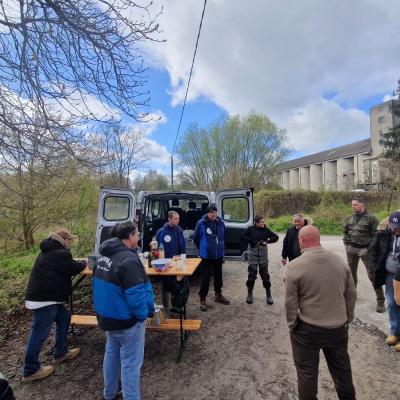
(242, 351)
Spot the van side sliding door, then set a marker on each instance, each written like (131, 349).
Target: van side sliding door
(115, 205)
(236, 208)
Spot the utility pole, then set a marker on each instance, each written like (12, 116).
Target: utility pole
(172, 173)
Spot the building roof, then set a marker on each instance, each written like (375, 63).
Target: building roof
(362, 146)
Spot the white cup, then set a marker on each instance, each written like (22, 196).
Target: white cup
(182, 262)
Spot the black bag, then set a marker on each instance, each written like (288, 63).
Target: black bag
(6, 392)
(180, 293)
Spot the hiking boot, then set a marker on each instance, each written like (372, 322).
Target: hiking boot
(380, 306)
(269, 297)
(69, 355)
(392, 340)
(42, 373)
(397, 347)
(249, 298)
(219, 298)
(203, 305)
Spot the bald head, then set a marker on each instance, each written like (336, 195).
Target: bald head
(309, 236)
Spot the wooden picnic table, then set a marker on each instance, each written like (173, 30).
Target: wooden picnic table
(190, 267)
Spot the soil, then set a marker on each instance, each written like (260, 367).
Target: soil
(241, 352)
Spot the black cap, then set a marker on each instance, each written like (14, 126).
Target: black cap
(211, 207)
(394, 220)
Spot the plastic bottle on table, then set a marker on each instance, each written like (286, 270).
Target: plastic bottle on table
(154, 249)
(161, 252)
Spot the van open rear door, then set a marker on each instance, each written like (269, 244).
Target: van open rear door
(236, 208)
(115, 205)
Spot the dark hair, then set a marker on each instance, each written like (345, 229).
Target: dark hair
(359, 199)
(258, 218)
(123, 230)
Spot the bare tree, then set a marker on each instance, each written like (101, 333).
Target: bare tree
(61, 60)
(123, 151)
(35, 183)
(151, 181)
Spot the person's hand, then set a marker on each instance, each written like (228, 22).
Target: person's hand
(283, 261)
(264, 243)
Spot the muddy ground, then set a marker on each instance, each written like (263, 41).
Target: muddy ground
(241, 352)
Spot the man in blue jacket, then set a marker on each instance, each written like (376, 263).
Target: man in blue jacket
(209, 238)
(123, 300)
(171, 237)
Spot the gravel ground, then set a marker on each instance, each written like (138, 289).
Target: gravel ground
(241, 352)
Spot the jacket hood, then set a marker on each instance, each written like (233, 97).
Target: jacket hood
(168, 226)
(112, 246)
(54, 241)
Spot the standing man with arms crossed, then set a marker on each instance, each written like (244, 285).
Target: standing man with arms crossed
(359, 230)
(319, 301)
(209, 238)
(123, 299)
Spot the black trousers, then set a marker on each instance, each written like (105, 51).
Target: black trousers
(208, 266)
(263, 269)
(307, 341)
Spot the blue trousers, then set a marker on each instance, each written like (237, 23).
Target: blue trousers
(393, 308)
(124, 357)
(43, 319)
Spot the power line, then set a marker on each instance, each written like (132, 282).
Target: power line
(190, 77)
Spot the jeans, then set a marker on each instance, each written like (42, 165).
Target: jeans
(206, 267)
(307, 341)
(393, 308)
(43, 319)
(124, 357)
(263, 269)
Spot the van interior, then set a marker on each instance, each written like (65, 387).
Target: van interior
(190, 207)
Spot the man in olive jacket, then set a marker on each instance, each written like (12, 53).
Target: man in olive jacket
(48, 288)
(359, 230)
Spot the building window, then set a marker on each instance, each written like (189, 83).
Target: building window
(380, 120)
(380, 108)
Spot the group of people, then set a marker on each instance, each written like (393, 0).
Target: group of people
(315, 279)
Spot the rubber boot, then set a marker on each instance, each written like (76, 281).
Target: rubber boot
(249, 298)
(380, 300)
(203, 304)
(165, 295)
(269, 297)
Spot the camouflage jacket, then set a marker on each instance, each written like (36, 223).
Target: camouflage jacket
(360, 229)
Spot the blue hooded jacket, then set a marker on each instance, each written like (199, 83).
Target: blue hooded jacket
(122, 292)
(209, 238)
(172, 239)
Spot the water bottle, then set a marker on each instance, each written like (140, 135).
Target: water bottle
(161, 251)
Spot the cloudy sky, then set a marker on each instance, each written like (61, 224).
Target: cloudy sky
(314, 67)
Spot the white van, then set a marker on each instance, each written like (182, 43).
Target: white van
(150, 211)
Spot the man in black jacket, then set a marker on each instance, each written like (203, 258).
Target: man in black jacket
(257, 238)
(291, 247)
(384, 254)
(48, 288)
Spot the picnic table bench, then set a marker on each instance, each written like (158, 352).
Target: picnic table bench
(182, 324)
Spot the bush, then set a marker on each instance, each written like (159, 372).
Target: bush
(276, 203)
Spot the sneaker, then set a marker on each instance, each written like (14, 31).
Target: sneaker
(397, 347)
(69, 355)
(203, 305)
(219, 298)
(392, 340)
(42, 373)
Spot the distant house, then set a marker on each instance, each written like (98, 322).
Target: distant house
(351, 166)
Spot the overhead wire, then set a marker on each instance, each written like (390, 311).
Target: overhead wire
(190, 77)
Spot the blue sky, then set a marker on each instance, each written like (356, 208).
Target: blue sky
(315, 71)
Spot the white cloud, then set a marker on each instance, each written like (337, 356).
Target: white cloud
(330, 122)
(282, 57)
